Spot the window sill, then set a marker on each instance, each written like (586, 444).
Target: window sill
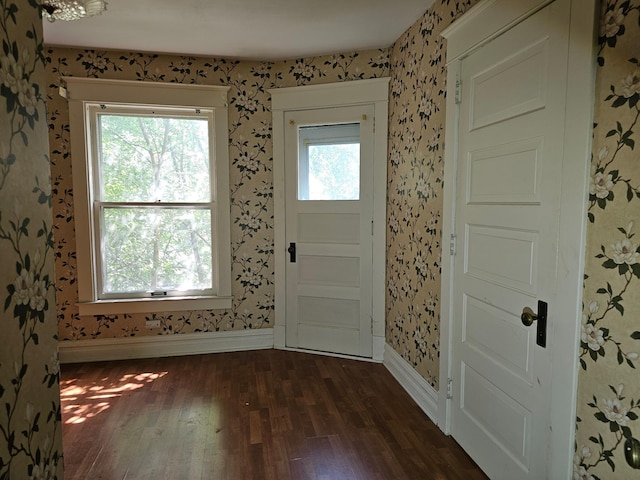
(153, 305)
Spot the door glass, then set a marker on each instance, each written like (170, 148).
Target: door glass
(329, 162)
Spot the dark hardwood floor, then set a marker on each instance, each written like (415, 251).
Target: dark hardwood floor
(265, 414)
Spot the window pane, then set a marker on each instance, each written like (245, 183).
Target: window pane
(158, 249)
(151, 159)
(329, 162)
(334, 172)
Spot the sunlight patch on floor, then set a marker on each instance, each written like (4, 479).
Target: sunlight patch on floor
(82, 401)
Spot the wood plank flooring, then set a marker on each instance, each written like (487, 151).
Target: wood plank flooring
(265, 414)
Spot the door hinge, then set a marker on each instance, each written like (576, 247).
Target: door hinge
(458, 97)
(452, 244)
(449, 388)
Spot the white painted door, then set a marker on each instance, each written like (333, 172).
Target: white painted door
(329, 213)
(511, 130)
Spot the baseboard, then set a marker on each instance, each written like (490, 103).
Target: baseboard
(417, 387)
(103, 349)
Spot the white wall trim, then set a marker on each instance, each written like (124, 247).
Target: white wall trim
(104, 349)
(572, 232)
(417, 387)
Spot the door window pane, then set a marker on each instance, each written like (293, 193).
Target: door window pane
(329, 162)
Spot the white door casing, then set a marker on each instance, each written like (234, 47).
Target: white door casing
(310, 105)
(518, 210)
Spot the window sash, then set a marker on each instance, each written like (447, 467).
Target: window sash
(101, 250)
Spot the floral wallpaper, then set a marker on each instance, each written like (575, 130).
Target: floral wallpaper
(609, 383)
(30, 435)
(251, 177)
(414, 192)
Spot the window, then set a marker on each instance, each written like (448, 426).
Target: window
(150, 172)
(329, 162)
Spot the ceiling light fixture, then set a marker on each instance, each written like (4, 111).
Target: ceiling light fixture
(71, 9)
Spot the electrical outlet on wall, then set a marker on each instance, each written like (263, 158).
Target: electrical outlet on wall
(152, 324)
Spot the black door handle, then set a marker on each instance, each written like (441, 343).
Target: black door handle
(541, 331)
(292, 252)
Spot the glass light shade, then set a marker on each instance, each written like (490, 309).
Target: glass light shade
(72, 9)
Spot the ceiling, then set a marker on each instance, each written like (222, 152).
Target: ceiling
(242, 29)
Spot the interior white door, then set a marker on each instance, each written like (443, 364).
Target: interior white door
(329, 233)
(511, 129)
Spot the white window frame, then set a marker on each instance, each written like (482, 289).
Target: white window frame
(83, 94)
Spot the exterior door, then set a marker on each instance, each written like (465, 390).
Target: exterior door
(329, 213)
(507, 222)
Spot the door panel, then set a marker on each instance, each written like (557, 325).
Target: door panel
(511, 130)
(328, 312)
(518, 161)
(329, 286)
(488, 246)
(490, 408)
(481, 319)
(329, 270)
(511, 87)
(329, 228)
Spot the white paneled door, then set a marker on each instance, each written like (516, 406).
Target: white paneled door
(507, 222)
(329, 213)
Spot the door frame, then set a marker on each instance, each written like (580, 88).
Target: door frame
(479, 25)
(373, 92)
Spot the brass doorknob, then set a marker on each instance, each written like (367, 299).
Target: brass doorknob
(528, 316)
(632, 452)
